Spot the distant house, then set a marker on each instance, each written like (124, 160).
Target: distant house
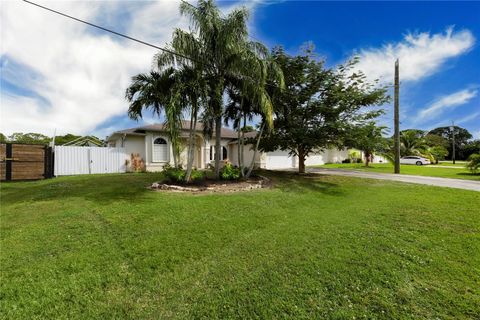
(152, 144)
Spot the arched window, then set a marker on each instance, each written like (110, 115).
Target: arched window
(160, 150)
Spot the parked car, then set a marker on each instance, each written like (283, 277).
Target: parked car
(414, 160)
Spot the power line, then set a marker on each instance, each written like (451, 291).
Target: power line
(109, 30)
(132, 38)
(124, 35)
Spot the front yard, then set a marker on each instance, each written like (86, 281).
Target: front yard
(104, 247)
(442, 170)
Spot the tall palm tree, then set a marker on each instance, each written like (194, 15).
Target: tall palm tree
(193, 90)
(248, 99)
(155, 91)
(220, 48)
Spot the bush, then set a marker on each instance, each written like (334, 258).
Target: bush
(173, 174)
(346, 160)
(229, 172)
(197, 175)
(473, 163)
(177, 175)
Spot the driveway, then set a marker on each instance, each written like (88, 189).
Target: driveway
(432, 181)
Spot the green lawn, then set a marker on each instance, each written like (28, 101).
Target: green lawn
(430, 170)
(105, 247)
(458, 164)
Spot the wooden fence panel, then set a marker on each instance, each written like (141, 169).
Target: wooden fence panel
(24, 161)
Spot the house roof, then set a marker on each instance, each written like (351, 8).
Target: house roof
(158, 127)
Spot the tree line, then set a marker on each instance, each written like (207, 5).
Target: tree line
(436, 144)
(38, 138)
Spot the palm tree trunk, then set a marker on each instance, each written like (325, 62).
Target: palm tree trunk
(239, 148)
(242, 168)
(191, 142)
(174, 149)
(218, 146)
(252, 164)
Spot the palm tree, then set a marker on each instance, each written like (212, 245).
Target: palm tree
(155, 91)
(412, 142)
(369, 139)
(192, 88)
(220, 48)
(247, 100)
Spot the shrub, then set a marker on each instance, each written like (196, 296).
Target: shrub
(197, 175)
(353, 155)
(229, 172)
(473, 163)
(173, 174)
(346, 160)
(359, 160)
(177, 175)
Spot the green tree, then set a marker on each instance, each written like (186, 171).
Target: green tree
(473, 163)
(221, 49)
(246, 101)
(29, 138)
(61, 140)
(369, 139)
(412, 142)
(471, 147)
(3, 138)
(438, 153)
(432, 140)
(462, 136)
(318, 106)
(154, 91)
(192, 88)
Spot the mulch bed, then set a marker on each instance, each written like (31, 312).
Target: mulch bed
(207, 185)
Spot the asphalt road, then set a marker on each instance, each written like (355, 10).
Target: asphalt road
(432, 181)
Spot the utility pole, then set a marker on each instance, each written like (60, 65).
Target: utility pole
(396, 119)
(453, 141)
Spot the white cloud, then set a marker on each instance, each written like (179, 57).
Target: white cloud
(444, 103)
(81, 72)
(468, 118)
(420, 55)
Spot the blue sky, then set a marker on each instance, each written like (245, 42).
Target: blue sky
(59, 75)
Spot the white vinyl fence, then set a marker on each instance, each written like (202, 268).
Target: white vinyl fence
(70, 160)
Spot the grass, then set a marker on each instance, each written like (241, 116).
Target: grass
(429, 170)
(458, 164)
(105, 247)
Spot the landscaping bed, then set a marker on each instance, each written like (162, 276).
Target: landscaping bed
(210, 185)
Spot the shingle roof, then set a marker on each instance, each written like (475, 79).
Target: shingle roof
(225, 133)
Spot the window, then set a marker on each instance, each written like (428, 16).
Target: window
(160, 150)
(224, 153)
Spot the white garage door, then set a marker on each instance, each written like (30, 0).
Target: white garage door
(280, 160)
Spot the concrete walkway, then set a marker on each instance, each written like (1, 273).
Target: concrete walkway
(432, 181)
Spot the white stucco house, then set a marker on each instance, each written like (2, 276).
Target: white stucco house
(152, 144)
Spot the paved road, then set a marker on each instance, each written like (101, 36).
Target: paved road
(433, 181)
